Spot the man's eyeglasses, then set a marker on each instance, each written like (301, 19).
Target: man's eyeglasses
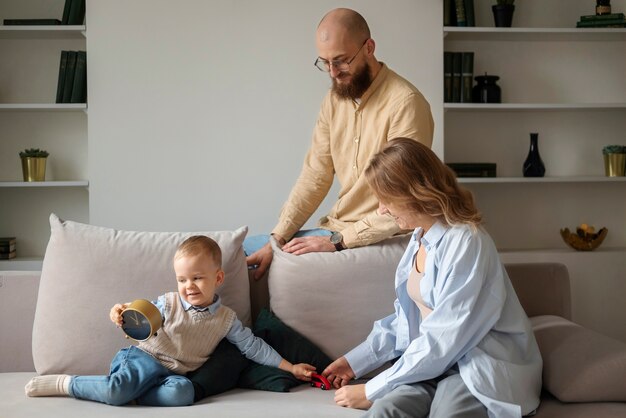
(339, 65)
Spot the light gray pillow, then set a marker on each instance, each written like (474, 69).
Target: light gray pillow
(334, 298)
(87, 269)
(580, 365)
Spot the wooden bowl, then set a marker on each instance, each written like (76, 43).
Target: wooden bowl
(586, 242)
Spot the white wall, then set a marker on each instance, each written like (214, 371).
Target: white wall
(200, 112)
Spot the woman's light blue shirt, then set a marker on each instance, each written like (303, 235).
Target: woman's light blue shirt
(477, 322)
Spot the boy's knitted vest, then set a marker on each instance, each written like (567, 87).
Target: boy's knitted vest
(187, 338)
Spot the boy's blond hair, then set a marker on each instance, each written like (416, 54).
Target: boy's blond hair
(200, 244)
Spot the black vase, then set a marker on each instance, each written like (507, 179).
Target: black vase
(533, 166)
(503, 15)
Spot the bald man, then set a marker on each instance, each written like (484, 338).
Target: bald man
(367, 105)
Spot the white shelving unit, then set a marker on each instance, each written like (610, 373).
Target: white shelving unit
(30, 118)
(568, 85)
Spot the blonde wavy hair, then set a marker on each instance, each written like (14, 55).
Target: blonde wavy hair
(408, 174)
(200, 244)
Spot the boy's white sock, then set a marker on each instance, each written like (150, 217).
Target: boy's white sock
(50, 385)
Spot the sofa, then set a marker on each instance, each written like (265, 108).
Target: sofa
(56, 321)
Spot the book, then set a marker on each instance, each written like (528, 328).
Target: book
(76, 13)
(469, 12)
(467, 76)
(459, 7)
(473, 169)
(61, 82)
(7, 240)
(8, 256)
(7, 248)
(456, 77)
(70, 69)
(447, 77)
(79, 88)
(31, 22)
(602, 17)
(447, 13)
(66, 12)
(609, 23)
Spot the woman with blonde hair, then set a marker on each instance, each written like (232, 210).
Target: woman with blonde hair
(462, 344)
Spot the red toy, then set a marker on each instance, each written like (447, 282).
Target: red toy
(319, 381)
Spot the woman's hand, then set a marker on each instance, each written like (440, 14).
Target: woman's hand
(339, 372)
(352, 396)
(116, 313)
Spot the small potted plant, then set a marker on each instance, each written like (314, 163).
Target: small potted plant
(34, 164)
(503, 13)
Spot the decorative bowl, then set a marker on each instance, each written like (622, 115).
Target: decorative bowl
(585, 238)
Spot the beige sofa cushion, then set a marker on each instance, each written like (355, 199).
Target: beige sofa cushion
(87, 269)
(334, 298)
(580, 365)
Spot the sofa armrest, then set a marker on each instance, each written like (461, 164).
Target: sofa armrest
(18, 300)
(542, 288)
(580, 365)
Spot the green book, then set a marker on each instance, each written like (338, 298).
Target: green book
(31, 22)
(456, 77)
(467, 76)
(66, 12)
(602, 17)
(469, 12)
(7, 240)
(447, 77)
(615, 23)
(70, 69)
(459, 8)
(61, 82)
(447, 12)
(79, 89)
(77, 13)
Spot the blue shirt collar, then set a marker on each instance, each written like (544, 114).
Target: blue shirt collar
(432, 236)
(217, 302)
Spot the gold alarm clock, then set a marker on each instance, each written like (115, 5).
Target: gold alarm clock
(141, 320)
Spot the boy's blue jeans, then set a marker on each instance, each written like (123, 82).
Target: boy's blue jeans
(135, 375)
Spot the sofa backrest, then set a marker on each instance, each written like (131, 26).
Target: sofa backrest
(542, 288)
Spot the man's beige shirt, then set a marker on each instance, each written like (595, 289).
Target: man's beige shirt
(347, 135)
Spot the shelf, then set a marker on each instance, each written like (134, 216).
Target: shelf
(21, 264)
(42, 32)
(474, 107)
(569, 179)
(45, 107)
(452, 33)
(15, 184)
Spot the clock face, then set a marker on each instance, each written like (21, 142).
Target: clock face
(136, 325)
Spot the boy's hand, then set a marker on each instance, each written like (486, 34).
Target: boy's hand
(302, 371)
(116, 313)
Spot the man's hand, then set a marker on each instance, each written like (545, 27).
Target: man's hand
(313, 244)
(262, 259)
(339, 372)
(352, 396)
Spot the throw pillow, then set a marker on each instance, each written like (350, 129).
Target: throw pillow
(333, 299)
(87, 269)
(580, 365)
(290, 345)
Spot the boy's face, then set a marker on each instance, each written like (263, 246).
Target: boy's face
(198, 276)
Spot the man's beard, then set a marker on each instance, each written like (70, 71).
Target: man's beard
(361, 80)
